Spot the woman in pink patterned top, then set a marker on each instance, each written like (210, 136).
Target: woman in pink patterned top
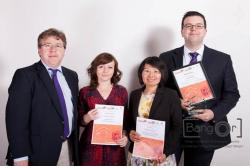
(103, 89)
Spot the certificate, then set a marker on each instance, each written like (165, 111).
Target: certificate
(108, 126)
(193, 84)
(152, 134)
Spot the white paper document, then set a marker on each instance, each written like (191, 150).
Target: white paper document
(108, 126)
(152, 134)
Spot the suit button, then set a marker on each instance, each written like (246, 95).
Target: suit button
(62, 122)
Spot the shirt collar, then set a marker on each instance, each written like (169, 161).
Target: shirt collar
(199, 51)
(47, 67)
(187, 57)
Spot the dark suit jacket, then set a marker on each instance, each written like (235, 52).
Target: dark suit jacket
(34, 119)
(220, 73)
(166, 107)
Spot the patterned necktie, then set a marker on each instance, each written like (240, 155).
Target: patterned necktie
(62, 101)
(193, 57)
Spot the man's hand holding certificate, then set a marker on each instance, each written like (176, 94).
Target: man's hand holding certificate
(151, 142)
(107, 128)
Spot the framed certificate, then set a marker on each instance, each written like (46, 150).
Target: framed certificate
(152, 134)
(193, 84)
(108, 127)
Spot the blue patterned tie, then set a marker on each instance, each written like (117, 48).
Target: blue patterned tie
(193, 57)
(62, 101)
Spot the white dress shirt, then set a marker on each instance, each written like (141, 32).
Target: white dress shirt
(187, 58)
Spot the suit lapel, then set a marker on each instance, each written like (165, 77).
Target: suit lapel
(205, 58)
(156, 102)
(178, 57)
(48, 83)
(137, 99)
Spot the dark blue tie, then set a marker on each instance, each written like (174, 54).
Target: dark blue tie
(62, 101)
(193, 57)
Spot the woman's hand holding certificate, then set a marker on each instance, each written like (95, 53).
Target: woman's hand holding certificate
(134, 136)
(123, 141)
(91, 115)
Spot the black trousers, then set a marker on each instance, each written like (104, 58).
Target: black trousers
(197, 157)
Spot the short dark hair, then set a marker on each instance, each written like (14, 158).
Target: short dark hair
(102, 59)
(156, 62)
(193, 13)
(51, 32)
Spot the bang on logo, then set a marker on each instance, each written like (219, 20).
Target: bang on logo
(192, 128)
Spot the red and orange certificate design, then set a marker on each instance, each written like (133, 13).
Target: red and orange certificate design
(152, 134)
(193, 84)
(108, 127)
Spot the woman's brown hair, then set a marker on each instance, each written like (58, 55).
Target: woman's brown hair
(102, 59)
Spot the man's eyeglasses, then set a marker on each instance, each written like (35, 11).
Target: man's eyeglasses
(196, 26)
(50, 46)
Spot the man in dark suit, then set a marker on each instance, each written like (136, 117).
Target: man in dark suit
(210, 129)
(41, 114)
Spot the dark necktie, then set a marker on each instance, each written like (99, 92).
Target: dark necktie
(193, 57)
(62, 101)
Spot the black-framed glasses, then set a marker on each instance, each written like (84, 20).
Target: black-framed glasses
(196, 26)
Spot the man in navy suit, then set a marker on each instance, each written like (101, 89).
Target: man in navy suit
(35, 119)
(209, 130)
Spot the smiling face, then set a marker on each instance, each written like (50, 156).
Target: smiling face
(193, 31)
(105, 72)
(51, 51)
(151, 76)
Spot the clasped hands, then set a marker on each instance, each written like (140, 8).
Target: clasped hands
(204, 114)
(135, 137)
(92, 115)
